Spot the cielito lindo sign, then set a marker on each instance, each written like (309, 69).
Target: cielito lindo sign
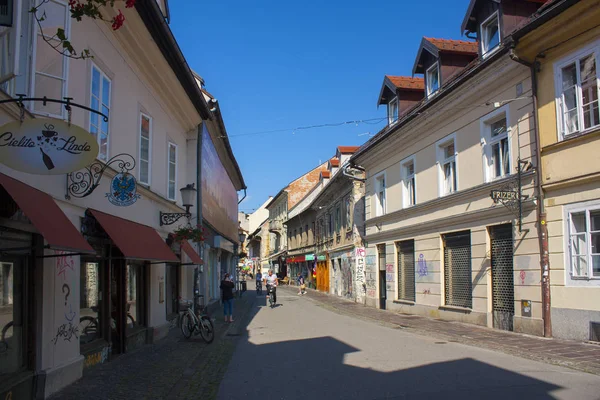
(46, 146)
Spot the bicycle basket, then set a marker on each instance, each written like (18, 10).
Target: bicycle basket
(184, 305)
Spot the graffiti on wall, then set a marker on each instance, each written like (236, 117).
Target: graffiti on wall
(422, 266)
(347, 281)
(65, 279)
(371, 272)
(361, 286)
(99, 357)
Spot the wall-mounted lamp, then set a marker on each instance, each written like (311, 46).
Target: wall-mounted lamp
(188, 196)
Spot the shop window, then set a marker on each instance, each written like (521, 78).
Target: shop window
(90, 321)
(457, 270)
(134, 296)
(11, 318)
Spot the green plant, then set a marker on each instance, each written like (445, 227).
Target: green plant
(189, 233)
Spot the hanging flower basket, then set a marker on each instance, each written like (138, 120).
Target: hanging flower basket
(188, 233)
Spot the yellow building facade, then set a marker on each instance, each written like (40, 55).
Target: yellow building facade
(566, 52)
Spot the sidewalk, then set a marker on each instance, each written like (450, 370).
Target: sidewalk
(173, 368)
(575, 355)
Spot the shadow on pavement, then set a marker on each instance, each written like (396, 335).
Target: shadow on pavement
(327, 368)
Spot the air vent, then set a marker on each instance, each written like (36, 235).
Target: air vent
(595, 332)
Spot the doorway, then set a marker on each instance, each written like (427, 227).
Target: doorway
(382, 290)
(172, 290)
(503, 288)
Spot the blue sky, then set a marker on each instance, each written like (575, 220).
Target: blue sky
(277, 65)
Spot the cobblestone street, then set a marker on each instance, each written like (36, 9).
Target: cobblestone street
(173, 368)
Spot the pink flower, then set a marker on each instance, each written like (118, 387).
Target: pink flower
(129, 3)
(117, 21)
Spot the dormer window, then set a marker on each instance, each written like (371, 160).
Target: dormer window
(393, 111)
(433, 79)
(490, 34)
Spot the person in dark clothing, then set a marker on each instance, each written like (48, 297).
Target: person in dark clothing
(227, 296)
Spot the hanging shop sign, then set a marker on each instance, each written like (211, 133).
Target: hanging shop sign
(123, 188)
(321, 258)
(310, 257)
(46, 146)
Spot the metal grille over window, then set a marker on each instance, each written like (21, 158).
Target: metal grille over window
(457, 270)
(503, 298)
(406, 270)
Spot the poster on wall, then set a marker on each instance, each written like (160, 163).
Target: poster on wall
(219, 197)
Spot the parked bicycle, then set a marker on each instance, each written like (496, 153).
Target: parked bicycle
(193, 323)
(7, 332)
(89, 326)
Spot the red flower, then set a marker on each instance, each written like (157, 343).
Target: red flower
(117, 21)
(129, 3)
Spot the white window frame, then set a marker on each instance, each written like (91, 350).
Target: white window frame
(142, 115)
(11, 40)
(573, 209)
(65, 60)
(487, 142)
(442, 160)
(380, 209)
(102, 76)
(486, 52)
(169, 146)
(391, 104)
(406, 201)
(436, 65)
(558, 66)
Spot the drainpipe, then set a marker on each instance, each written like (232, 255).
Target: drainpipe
(542, 225)
(199, 206)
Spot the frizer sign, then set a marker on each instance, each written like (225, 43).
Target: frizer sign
(46, 146)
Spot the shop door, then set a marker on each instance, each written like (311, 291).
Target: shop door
(172, 290)
(382, 290)
(503, 295)
(12, 326)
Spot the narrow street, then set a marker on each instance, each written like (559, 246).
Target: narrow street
(301, 350)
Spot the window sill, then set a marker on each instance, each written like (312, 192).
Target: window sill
(405, 302)
(456, 308)
(572, 138)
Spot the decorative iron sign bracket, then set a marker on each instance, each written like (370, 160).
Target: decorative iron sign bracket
(511, 194)
(82, 183)
(67, 102)
(171, 218)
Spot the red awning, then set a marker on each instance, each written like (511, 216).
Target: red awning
(136, 241)
(189, 250)
(46, 216)
(296, 259)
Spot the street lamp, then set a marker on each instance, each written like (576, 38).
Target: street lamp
(242, 237)
(188, 196)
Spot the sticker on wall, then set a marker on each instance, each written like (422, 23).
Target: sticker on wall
(123, 190)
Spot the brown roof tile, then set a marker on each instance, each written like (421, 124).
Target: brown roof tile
(455, 46)
(347, 149)
(407, 82)
(299, 188)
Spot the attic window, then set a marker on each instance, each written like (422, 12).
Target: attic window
(433, 79)
(393, 111)
(490, 34)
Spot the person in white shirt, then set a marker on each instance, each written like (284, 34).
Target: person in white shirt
(271, 280)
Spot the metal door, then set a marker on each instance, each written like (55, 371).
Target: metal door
(457, 270)
(382, 290)
(503, 293)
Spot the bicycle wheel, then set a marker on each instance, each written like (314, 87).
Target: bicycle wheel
(130, 321)
(88, 329)
(207, 330)
(187, 325)
(7, 331)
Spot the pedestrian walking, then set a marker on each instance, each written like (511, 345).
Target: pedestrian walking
(227, 297)
(259, 279)
(301, 284)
